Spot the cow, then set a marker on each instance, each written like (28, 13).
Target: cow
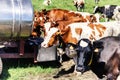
(116, 15)
(52, 16)
(41, 17)
(106, 51)
(47, 2)
(79, 4)
(72, 33)
(75, 31)
(65, 17)
(106, 10)
(38, 22)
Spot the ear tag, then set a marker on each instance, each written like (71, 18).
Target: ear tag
(83, 43)
(71, 47)
(96, 50)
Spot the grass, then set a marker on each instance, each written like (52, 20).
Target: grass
(17, 69)
(68, 4)
(25, 69)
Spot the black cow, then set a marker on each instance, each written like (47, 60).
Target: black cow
(107, 10)
(108, 53)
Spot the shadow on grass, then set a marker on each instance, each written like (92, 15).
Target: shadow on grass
(23, 63)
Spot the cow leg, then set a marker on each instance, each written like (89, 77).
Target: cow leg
(60, 53)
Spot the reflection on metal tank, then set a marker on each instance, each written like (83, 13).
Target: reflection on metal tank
(16, 18)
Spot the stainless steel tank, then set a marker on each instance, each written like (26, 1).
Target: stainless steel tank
(16, 18)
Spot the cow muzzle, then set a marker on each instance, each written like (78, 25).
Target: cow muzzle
(44, 45)
(80, 68)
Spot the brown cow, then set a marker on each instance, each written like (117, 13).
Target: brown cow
(72, 33)
(59, 15)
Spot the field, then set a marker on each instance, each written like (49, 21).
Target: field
(68, 4)
(25, 69)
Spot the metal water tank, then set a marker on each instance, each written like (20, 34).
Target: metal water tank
(16, 18)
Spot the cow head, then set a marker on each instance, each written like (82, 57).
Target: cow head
(50, 38)
(79, 4)
(39, 18)
(84, 55)
(70, 50)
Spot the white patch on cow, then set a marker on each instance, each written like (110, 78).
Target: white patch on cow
(97, 15)
(95, 9)
(41, 18)
(85, 30)
(83, 43)
(48, 36)
(47, 26)
(116, 14)
(107, 6)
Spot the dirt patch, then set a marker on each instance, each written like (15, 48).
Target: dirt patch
(65, 72)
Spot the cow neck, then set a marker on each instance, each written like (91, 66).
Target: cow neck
(62, 44)
(91, 60)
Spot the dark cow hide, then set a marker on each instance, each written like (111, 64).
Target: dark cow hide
(103, 55)
(106, 10)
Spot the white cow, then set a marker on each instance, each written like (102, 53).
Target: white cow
(47, 2)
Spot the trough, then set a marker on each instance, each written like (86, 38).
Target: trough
(47, 54)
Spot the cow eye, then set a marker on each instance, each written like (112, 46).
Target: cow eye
(83, 43)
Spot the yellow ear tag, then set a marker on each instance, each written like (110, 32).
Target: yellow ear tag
(71, 47)
(96, 50)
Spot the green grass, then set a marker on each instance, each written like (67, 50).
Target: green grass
(25, 69)
(68, 4)
(23, 73)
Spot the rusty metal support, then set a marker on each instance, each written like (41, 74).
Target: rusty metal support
(35, 53)
(16, 55)
(22, 42)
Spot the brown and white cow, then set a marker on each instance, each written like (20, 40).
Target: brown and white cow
(72, 33)
(40, 17)
(79, 4)
(65, 17)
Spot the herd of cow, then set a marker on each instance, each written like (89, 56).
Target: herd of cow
(81, 36)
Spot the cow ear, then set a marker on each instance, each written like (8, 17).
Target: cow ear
(97, 43)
